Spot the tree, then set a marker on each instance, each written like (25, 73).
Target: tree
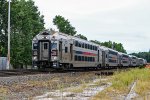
(64, 25)
(116, 46)
(26, 22)
(81, 36)
(3, 27)
(95, 41)
(145, 55)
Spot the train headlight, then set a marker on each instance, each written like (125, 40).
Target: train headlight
(55, 58)
(35, 58)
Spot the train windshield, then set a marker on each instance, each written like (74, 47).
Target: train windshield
(53, 45)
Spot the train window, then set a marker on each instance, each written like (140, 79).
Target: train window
(95, 48)
(66, 49)
(75, 58)
(93, 59)
(90, 59)
(86, 46)
(112, 61)
(79, 58)
(112, 52)
(82, 45)
(45, 46)
(79, 44)
(106, 55)
(82, 58)
(45, 33)
(35, 46)
(133, 58)
(90, 47)
(76, 43)
(125, 56)
(86, 59)
(124, 61)
(53, 45)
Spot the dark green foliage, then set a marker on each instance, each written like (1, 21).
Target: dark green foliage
(26, 22)
(116, 46)
(81, 36)
(64, 25)
(145, 55)
(3, 27)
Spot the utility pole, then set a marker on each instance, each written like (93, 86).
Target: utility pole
(8, 54)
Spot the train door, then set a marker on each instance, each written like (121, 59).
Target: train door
(60, 50)
(71, 52)
(103, 58)
(120, 60)
(44, 50)
(98, 56)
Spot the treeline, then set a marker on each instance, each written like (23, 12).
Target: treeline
(145, 55)
(64, 26)
(26, 22)
(116, 46)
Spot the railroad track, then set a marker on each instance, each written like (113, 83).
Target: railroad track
(8, 73)
(23, 72)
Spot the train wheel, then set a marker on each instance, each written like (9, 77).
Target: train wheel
(98, 66)
(38, 67)
(70, 66)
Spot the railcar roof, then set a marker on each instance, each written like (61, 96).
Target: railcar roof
(75, 38)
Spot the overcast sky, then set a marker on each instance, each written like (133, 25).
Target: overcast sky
(122, 21)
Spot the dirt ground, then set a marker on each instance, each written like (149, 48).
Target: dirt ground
(148, 65)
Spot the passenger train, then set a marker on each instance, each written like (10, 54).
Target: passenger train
(59, 50)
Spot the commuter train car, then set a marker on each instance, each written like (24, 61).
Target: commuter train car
(86, 54)
(124, 60)
(141, 62)
(134, 61)
(58, 50)
(112, 57)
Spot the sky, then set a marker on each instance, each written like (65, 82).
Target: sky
(121, 21)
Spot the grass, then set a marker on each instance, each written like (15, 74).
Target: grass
(3, 90)
(121, 83)
(143, 82)
(3, 93)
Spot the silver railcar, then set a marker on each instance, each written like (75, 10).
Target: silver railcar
(124, 60)
(59, 50)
